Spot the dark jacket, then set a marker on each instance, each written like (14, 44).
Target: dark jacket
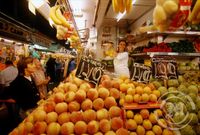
(24, 92)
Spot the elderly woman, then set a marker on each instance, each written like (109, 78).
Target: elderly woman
(40, 79)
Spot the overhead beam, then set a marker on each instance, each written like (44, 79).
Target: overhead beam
(103, 4)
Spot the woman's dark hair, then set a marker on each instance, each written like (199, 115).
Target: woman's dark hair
(22, 64)
(122, 40)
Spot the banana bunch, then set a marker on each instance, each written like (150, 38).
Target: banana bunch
(194, 17)
(122, 6)
(64, 29)
(57, 16)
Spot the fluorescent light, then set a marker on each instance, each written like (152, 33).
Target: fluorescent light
(37, 3)
(51, 22)
(8, 41)
(31, 7)
(39, 47)
(133, 2)
(121, 15)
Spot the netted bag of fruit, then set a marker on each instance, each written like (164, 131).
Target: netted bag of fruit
(170, 14)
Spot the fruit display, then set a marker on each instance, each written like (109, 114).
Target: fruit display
(181, 104)
(188, 65)
(182, 46)
(62, 23)
(145, 122)
(122, 6)
(76, 107)
(162, 47)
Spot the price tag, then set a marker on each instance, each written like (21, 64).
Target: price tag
(164, 68)
(140, 73)
(90, 70)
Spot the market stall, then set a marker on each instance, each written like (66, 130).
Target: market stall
(161, 96)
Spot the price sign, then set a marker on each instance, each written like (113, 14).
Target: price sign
(90, 70)
(164, 68)
(140, 73)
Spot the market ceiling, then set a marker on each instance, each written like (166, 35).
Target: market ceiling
(18, 10)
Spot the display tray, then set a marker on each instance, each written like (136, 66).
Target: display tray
(175, 54)
(152, 34)
(135, 106)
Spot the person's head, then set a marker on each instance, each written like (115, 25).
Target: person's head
(8, 63)
(37, 63)
(122, 46)
(26, 66)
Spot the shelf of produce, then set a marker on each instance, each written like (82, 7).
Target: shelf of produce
(136, 106)
(152, 34)
(176, 54)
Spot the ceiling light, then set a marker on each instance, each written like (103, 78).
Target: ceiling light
(8, 41)
(31, 7)
(37, 3)
(51, 22)
(121, 15)
(41, 6)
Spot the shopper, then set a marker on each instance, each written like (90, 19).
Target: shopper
(51, 69)
(23, 89)
(121, 60)
(7, 75)
(40, 79)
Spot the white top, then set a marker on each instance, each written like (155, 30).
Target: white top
(8, 75)
(121, 64)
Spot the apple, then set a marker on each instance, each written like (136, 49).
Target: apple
(61, 107)
(80, 96)
(70, 96)
(51, 117)
(102, 114)
(86, 105)
(73, 106)
(39, 115)
(53, 129)
(105, 125)
(39, 127)
(103, 93)
(59, 97)
(67, 128)
(80, 127)
(76, 116)
(63, 118)
(92, 94)
(49, 106)
(89, 115)
(93, 127)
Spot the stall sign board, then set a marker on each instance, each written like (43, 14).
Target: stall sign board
(140, 73)
(90, 70)
(164, 68)
(13, 31)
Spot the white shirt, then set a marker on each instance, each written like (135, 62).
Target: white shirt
(8, 75)
(121, 64)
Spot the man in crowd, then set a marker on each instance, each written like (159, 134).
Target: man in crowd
(7, 75)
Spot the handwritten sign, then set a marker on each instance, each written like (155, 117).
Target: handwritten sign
(140, 73)
(90, 70)
(164, 68)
